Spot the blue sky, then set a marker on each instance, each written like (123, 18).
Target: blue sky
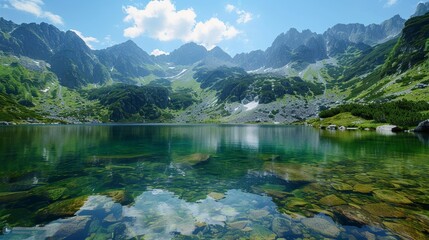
(163, 25)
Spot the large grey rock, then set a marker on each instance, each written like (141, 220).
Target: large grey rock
(423, 127)
(322, 226)
(385, 129)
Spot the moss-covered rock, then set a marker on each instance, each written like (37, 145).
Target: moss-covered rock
(120, 196)
(363, 188)
(383, 210)
(65, 208)
(391, 196)
(322, 226)
(192, 159)
(332, 200)
(404, 231)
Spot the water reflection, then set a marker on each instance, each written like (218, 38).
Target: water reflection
(276, 181)
(159, 214)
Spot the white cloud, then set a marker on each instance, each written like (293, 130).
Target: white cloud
(212, 32)
(160, 20)
(243, 16)
(35, 7)
(108, 41)
(87, 40)
(229, 8)
(390, 3)
(157, 52)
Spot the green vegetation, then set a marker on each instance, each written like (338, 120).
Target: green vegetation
(411, 49)
(234, 85)
(11, 111)
(127, 102)
(345, 119)
(23, 84)
(402, 113)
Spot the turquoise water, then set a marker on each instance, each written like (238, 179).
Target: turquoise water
(211, 181)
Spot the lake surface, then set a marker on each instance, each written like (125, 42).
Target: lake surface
(211, 181)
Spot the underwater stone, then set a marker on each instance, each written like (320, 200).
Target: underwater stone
(216, 196)
(281, 226)
(363, 188)
(72, 228)
(405, 231)
(391, 196)
(238, 225)
(292, 172)
(61, 209)
(193, 159)
(296, 202)
(7, 197)
(342, 186)
(260, 232)
(257, 214)
(120, 196)
(332, 200)
(322, 226)
(383, 210)
(355, 216)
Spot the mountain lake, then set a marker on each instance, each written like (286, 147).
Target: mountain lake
(211, 182)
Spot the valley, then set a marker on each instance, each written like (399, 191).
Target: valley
(54, 77)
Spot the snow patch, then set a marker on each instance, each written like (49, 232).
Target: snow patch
(251, 105)
(45, 90)
(180, 74)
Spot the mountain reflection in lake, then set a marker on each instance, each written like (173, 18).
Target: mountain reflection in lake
(211, 181)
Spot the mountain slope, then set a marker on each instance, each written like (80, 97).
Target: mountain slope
(70, 58)
(126, 61)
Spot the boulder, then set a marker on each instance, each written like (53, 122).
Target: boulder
(332, 200)
(384, 210)
(322, 226)
(423, 127)
(349, 215)
(388, 129)
(392, 197)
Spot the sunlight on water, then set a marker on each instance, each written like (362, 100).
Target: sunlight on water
(208, 181)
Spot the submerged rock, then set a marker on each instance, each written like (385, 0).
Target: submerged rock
(7, 197)
(405, 231)
(363, 188)
(257, 214)
(72, 228)
(261, 233)
(296, 202)
(216, 196)
(391, 196)
(342, 186)
(281, 226)
(193, 159)
(61, 209)
(291, 172)
(120, 196)
(238, 224)
(332, 200)
(322, 226)
(353, 216)
(383, 210)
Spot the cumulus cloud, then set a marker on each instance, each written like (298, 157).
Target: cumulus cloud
(161, 20)
(390, 3)
(243, 16)
(157, 52)
(35, 7)
(87, 40)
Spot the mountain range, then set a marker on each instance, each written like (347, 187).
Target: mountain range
(317, 70)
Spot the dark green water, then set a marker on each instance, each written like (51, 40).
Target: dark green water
(209, 181)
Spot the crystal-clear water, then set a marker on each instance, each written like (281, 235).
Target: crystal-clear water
(211, 181)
